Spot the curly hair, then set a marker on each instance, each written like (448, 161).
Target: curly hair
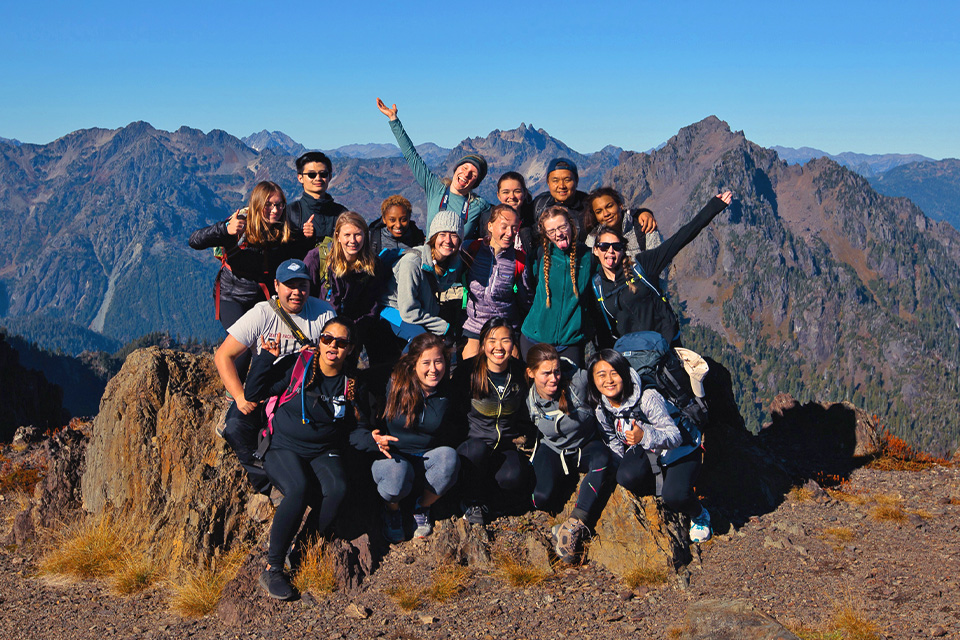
(395, 201)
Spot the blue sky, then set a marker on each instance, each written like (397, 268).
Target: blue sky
(877, 77)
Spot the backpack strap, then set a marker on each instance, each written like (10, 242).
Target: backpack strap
(641, 276)
(599, 294)
(300, 367)
(297, 332)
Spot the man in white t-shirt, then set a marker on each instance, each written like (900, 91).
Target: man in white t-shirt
(260, 326)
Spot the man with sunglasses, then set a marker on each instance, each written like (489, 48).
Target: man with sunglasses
(265, 326)
(315, 213)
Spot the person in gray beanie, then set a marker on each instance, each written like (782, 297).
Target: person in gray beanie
(412, 300)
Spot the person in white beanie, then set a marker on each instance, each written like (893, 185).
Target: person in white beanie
(411, 302)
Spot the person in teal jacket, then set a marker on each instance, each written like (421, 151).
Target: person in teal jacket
(563, 272)
(455, 194)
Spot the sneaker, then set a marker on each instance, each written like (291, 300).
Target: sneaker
(568, 538)
(276, 584)
(421, 515)
(475, 513)
(392, 526)
(700, 527)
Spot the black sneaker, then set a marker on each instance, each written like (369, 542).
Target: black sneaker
(276, 584)
(475, 513)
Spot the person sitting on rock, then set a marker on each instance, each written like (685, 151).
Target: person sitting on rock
(264, 324)
(492, 387)
(569, 445)
(394, 232)
(454, 194)
(415, 436)
(649, 449)
(309, 433)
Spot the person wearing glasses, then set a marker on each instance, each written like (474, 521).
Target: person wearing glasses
(563, 273)
(325, 412)
(626, 290)
(313, 216)
(454, 194)
(251, 244)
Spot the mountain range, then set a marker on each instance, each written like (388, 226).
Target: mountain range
(279, 141)
(812, 283)
(867, 165)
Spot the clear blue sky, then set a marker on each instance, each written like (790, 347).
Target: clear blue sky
(871, 77)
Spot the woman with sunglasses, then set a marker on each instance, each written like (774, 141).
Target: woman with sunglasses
(627, 290)
(250, 244)
(493, 387)
(454, 194)
(416, 436)
(647, 446)
(562, 273)
(568, 445)
(310, 430)
(605, 207)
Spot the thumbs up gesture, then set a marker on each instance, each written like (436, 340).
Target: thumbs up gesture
(308, 230)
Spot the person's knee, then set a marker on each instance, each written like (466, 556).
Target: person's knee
(677, 498)
(394, 479)
(442, 466)
(633, 479)
(473, 450)
(513, 475)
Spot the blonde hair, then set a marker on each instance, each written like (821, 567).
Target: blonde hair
(553, 212)
(337, 264)
(259, 232)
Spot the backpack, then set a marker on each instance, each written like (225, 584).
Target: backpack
(660, 368)
(638, 275)
(294, 388)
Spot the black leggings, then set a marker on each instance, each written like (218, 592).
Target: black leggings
(594, 461)
(489, 473)
(241, 431)
(636, 475)
(230, 312)
(305, 482)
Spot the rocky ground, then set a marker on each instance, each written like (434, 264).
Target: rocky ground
(885, 546)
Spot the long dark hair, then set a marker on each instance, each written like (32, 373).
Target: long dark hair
(620, 364)
(479, 385)
(537, 355)
(311, 375)
(406, 395)
(589, 219)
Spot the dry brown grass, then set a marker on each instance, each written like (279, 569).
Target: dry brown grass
(14, 476)
(897, 455)
(953, 500)
(800, 494)
(886, 513)
(516, 571)
(844, 495)
(135, 572)
(90, 548)
(406, 597)
(316, 573)
(848, 620)
(197, 591)
(644, 575)
(447, 582)
(837, 536)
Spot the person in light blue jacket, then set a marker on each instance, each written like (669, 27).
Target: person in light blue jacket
(455, 194)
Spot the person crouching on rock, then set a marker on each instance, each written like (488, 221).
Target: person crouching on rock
(493, 387)
(310, 432)
(415, 437)
(636, 424)
(569, 444)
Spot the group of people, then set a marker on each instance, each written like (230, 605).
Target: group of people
(477, 330)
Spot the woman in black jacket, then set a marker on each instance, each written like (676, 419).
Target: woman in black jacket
(627, 292)
(251, 244)
(321, 412)
(493, 385)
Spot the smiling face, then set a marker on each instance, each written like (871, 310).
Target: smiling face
(503, 229)
(608, 382)
(445, 244)
(607, 211)
(511, 193)
(464, 178)
(431, 366)
(273, 209)
(546, 378)
(292, 294)
(350, 238)
(396, 220)
(497, 347)
(558, 230)
(317, 185)
(610, 258)
(562, 184)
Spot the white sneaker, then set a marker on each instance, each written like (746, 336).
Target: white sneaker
(700, 527)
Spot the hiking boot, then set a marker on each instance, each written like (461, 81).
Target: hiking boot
(393, 526)
(276, 584)
(475, 513)
(700, 527)
(421, 515)
(568, 538)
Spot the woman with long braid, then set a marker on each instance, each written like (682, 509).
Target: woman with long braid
(563, 272)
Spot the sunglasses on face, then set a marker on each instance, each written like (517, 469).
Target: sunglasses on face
(341, 343)
(606, 246)
(313, 174)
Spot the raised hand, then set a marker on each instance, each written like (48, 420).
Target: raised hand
(270, 346)
(390, 112)
(236, 224)
(383, 442)
(647, 222)
(308, 229)
(633, 435)
(726, 196)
